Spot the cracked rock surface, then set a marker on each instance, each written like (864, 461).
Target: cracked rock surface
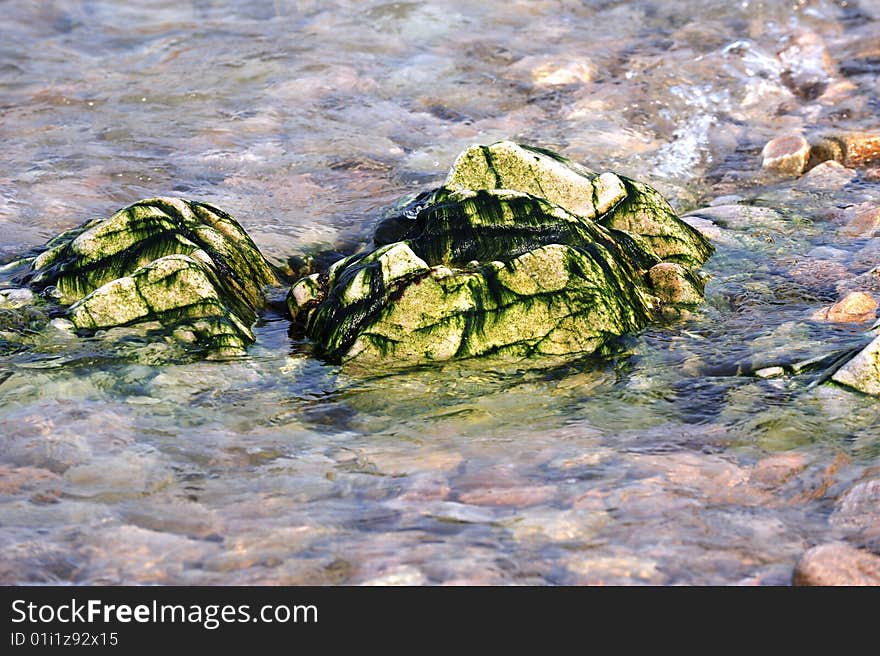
(520, 252)
(185, 265)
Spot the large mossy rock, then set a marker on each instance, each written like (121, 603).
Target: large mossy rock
(186, 265)
(521, 252)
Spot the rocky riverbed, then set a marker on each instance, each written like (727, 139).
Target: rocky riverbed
(735, 443)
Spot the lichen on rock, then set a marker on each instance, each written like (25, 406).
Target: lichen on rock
(186, 265)
(520, 252)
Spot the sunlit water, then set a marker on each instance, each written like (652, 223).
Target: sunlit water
(304, 120)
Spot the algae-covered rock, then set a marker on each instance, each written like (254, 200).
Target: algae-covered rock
(521, 252)
(862, 372)
(612, 200)
(186, 265)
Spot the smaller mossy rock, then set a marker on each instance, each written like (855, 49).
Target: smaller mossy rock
(186, 265)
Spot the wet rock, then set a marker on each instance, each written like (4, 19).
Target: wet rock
(484, 265)
(399, 462)
(850, 149)
(22, 479)
(739, 217)
(450, 511)
(710, 477)
(786, 155)
(814, 274)
(131, 473)
(862, 372)
(130, 555)
(552, 72)
(675, 284)
(11, 299)
(866, 257)
(557, 525)
(402, 575)
(862, 221)
(186, 265)
(858, 512)
(827, 176)
(807, 66)
(774, 471)
(519, 496)
(827, 253)
(615, 570)
(855, 307)
(837, 564)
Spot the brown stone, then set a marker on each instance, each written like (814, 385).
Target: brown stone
(861, 148)
(786, 155)
(520, 496)
(855, 307)
(672, 283)
(827, 176)
(18, 479)
(858, 512)
(837, 564)
(851, 149)
(774, 471)
(862, 220)
(811, 273)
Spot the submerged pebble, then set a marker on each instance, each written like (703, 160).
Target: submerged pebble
(837, 564)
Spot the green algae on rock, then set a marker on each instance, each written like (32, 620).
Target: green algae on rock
(862, 372)
(184, 264)
(520, 253)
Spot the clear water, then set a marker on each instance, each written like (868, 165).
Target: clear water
(305, 119)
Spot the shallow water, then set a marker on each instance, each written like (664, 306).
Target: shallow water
(304, 120)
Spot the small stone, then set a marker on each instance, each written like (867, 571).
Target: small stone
(858, 511)
(22, 479)
(63, 325)
(786, 155)
(547, 71)
(855, 307)
(519, 496)
(404, 575)
(777, 469)
(860, 148)
(557, 525)
(812, 273)
(675, 284)
(851, 149)
(808, 66)
(400, 463)
(837, 564)
(615, 570)
(737, 217)
(827, 176)
(11, 299)
(862, 221)
(770, 372)
(827, 253)
(552, 74)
